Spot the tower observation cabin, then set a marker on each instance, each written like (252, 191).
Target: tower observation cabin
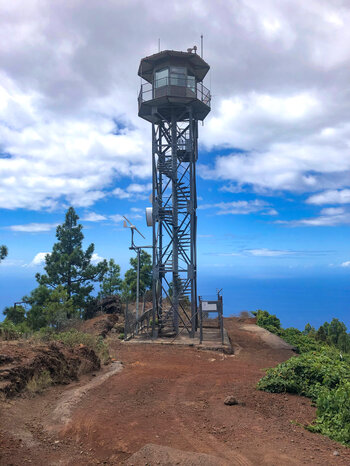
(173, 98)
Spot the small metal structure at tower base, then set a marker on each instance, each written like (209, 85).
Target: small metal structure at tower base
(207, 307)
(174, 99)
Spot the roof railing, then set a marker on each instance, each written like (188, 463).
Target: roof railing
(174, 87)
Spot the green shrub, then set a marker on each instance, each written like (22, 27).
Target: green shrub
(323, 376)
(306, 374)
(301, 342)
(333, 413)
(73, 338)
(264, 319)
(11, 331)
(321, 372)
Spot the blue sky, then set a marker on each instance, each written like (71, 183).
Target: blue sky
(274, 160)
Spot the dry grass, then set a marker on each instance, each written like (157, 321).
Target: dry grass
(39, 382)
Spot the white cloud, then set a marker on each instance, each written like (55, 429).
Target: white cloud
(270, 212)
(231, 188)
(95, 258)
(134, 192)
(331, 216)
(330, 211)
(240, 207)
(33, 227)
(263, 252)
(121, 193)
(39, 259)
(12, 263)
(330, 197)
(345, 264)
(93, 217)
(117, 218)
(68, 118)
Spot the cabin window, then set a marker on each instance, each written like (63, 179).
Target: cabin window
(191, 82)
(177, 76)
(161, 77)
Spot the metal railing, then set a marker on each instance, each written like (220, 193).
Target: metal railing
(206, 308)
(137, 326)
(174, 87)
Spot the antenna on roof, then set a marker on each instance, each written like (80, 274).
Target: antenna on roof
(201, 45)
(159, 45)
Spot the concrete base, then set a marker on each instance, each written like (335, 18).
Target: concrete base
(211, 340)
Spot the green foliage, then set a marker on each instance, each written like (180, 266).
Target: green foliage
(309, 330)
(325, 378)
(57, 308)
(69, 265)
(321, 334)
(11, 331)
(302, 343)
(307, 374)
(333, 413)
(264, 319)
(49, 307)
(15, 314)
(73, 338)
(130, 280)
(3, 252)
(321, 373)
(37, 300)
(344, 342)
(111, 283)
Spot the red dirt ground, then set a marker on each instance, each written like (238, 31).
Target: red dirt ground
(171, 396)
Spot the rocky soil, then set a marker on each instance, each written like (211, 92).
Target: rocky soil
(167, 406)
(25, 361)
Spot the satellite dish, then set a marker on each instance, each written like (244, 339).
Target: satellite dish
(149, 216)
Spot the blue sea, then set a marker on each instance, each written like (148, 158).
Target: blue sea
(296, 301)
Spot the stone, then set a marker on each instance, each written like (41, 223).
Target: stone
(230, 400)
(336, 453)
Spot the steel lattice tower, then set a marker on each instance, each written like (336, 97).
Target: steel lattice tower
(174, 99)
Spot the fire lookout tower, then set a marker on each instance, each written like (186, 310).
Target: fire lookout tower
(174, 99)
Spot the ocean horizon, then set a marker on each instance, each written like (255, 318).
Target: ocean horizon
(295, 301)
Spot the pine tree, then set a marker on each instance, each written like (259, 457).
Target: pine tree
(69, 265)
(15, 314)
(37, 300)
(321, 334)
(309, 330)
(130, 280)
(3, 252)
(111, 283)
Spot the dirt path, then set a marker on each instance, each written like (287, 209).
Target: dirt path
(170, 397)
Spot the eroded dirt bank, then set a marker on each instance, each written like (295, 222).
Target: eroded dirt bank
(22, 362)
(170, 397)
